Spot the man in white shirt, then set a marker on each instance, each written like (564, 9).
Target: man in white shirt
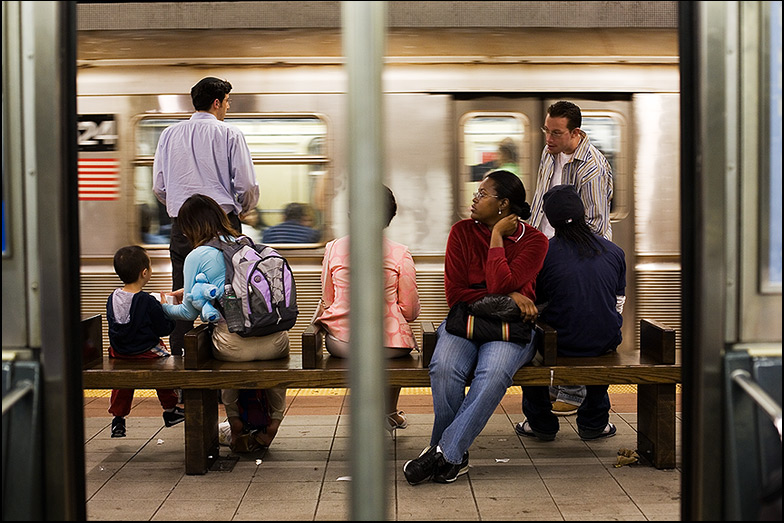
(202, 155)
(569, 158)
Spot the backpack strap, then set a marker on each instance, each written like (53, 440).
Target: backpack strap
(216, 243)
(239, 240)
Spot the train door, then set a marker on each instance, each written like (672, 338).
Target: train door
(487, 127)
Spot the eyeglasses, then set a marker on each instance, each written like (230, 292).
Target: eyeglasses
(555, 134)
(481, 194)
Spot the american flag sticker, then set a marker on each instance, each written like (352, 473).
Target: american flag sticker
(99, 178)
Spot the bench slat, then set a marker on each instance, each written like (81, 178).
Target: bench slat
(656, 368)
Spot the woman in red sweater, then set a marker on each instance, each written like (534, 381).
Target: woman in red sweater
(493, 252)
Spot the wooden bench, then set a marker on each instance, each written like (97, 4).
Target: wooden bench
(655, 369)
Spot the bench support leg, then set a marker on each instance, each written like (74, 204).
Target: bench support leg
(201, 429)
(656, 424)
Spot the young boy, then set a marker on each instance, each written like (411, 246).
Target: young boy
(136, 324)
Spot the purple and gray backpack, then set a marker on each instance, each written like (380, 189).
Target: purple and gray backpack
(259, 297)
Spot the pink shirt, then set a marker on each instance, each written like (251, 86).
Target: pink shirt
(400, 292)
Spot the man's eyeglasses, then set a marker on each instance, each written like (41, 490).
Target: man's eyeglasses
(481, 194)
(555, 134)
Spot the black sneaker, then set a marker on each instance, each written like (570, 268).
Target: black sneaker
(118, 427)
(170, 419)
(447, 472)
(422, 468)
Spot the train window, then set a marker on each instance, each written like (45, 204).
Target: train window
(290, 160)
(606, 131)
(492, 141)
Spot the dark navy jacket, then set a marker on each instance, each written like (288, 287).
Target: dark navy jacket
(145, 328)
(580, 296)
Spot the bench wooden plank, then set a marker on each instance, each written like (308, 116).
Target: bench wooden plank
(656, 369)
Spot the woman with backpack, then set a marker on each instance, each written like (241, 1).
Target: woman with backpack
(202, 221)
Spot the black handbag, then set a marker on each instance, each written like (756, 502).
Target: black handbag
(461, 322)
(496, 306)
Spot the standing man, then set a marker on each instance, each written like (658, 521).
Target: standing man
(570, 158)
(202, 155)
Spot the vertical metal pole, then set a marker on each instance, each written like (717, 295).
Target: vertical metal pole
(363, 46)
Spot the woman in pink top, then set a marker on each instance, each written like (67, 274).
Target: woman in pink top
(401, 297)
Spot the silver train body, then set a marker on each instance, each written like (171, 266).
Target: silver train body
(450, 97)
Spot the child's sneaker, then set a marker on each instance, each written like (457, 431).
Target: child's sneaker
(118, 427)
(173, 417)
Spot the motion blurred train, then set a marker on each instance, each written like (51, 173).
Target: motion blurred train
(451, 96)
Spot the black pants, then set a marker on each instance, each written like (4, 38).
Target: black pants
(179, 248)
(593, 414)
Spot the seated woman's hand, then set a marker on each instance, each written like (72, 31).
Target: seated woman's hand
(178, 296)
(507, 225)
(528, 310)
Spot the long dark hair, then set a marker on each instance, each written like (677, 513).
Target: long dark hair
(509, 186)
(581, 237)
(201, 219)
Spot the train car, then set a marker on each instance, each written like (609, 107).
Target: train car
(450, 98)
(461, 78)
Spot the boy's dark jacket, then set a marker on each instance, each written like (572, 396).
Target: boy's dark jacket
(143, 332)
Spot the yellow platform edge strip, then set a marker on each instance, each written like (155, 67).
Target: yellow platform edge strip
(413, 391)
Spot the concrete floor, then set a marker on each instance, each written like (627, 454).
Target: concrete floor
(304, 474)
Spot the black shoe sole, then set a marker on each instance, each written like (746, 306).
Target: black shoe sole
(118, 435)
(532, 434)
(173, 423)
(414, 482)
(441, 479)
(600, 436)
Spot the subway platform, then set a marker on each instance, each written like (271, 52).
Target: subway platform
(305, 474)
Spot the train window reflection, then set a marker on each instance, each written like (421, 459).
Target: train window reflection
(291, 164)
(492, 141)
(606, 133)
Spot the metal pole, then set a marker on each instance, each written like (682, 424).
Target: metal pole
(363, 46)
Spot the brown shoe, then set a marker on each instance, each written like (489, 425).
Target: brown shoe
(561, 408)
(245, 443)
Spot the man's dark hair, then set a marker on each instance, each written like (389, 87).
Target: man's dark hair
(129, 262)
(294, 212)
(207, 90)
(563, 109)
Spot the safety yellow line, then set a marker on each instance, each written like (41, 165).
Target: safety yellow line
(412, 391)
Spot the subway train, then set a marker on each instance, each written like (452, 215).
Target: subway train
(684, 98)
(451, 97)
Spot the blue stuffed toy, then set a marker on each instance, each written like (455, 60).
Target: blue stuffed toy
(201, 296)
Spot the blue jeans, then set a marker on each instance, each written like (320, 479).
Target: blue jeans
(459, 418)
(571, 394)
(592, 415)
